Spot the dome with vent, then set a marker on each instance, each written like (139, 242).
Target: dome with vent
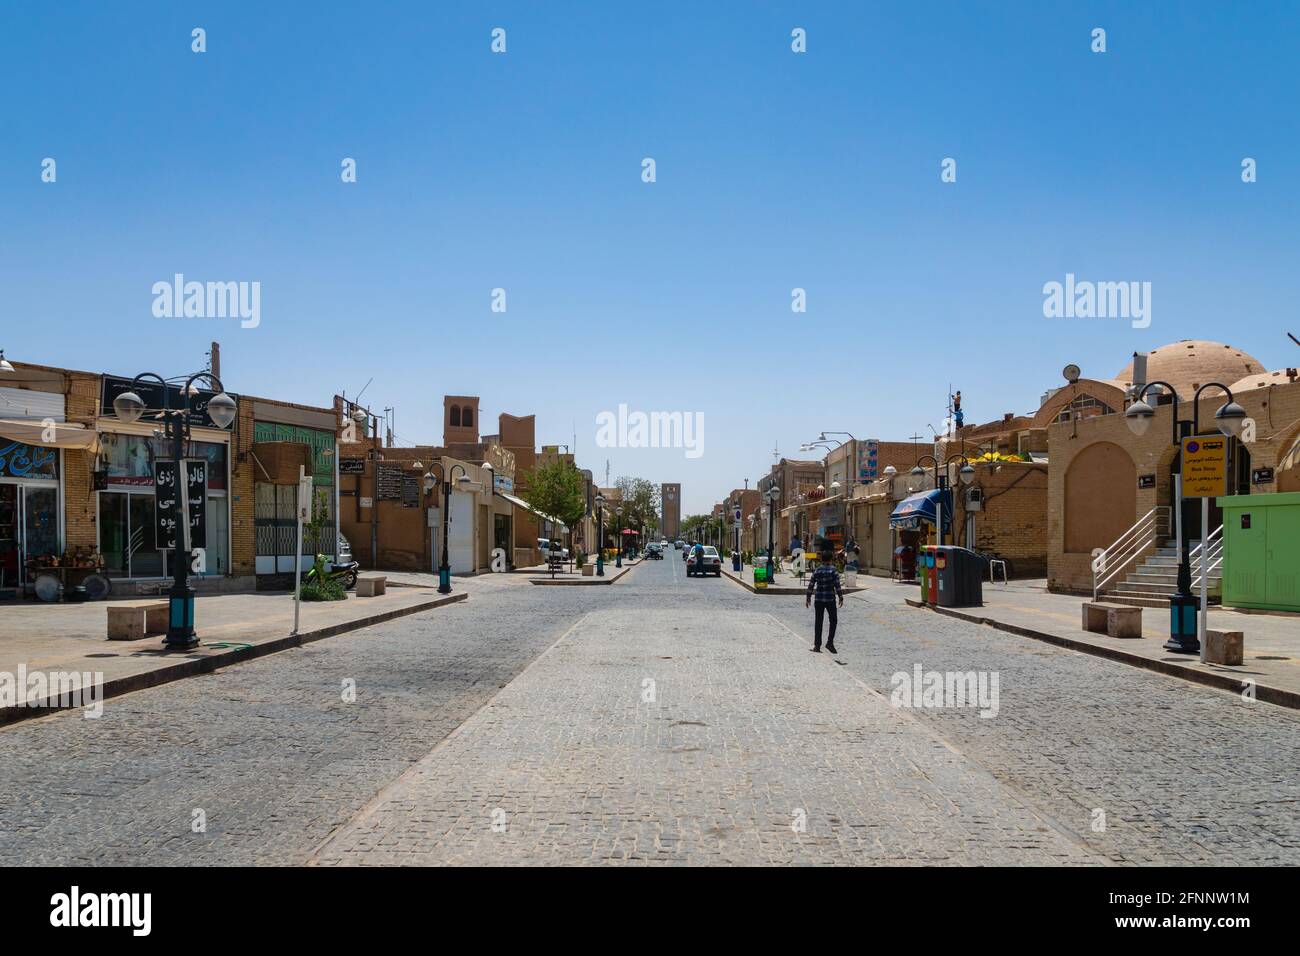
(1189, 364)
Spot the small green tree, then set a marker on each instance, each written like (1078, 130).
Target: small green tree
(558, 489)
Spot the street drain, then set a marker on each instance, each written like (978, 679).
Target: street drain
(1265, 657)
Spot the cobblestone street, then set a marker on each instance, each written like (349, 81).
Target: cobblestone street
(661, 720)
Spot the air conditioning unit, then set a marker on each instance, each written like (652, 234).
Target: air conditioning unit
(974, 499)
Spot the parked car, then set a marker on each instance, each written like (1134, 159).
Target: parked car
(550, 549)
(709, 561)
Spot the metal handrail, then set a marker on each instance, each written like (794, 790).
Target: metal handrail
(1127, 548)
(1214, 554)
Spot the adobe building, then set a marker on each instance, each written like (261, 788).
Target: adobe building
(77, 482)
(1104, 478)
(391, 507)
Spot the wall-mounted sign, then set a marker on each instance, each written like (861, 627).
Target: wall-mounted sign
(1261, 476)
(151, 393)
(389, 479)
(1146, 481)
(352, 466)
(504, 483)
(1205, 461)
(367, 502)
(165, 495)
(19, 460)
(868, 460)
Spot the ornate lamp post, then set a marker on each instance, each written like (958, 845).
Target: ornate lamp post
(444, 569)
(966, 473)
(600, 535)
(773, 494)
(1183, 605)
(176, 427)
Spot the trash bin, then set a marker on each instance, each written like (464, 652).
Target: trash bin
(760, 576)
(959, 575)
(926, 572)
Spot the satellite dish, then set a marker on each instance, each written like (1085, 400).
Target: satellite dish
(1071, 373)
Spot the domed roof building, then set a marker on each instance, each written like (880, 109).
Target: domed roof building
(1189, 364)
(1283, 376)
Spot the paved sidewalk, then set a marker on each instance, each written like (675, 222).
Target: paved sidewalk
(231, 627)
(1272, 641)
(637, 738)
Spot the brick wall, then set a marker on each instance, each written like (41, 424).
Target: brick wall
(1275, 410)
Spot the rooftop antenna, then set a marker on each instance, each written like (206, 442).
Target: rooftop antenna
(776, 452)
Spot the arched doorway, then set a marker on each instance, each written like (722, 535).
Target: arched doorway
(1100, 497)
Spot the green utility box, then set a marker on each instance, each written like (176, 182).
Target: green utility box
(1261, 551)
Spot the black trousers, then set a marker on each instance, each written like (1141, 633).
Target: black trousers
(819, 609)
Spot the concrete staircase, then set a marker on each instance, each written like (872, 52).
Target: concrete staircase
(1151, 582)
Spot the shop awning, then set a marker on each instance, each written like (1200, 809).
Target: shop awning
(35, 431)
(921, 507)
(520, 503)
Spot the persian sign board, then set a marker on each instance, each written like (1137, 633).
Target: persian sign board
(352, 466)
(165, 496)
(390, 480)
(868, 460)
(410, 491)
(1205, 466)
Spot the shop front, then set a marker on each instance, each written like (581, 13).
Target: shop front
(36, 446)
(126, 510)
(30, 510)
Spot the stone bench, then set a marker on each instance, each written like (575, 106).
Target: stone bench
(372, 585)
(1115, 620)
(133, 622)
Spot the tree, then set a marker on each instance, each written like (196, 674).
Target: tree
(640, 502)
(558, 489)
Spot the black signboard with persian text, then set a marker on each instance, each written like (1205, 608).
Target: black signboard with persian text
(352, 466)
(165, 492)
(389, 481)
(151, 393)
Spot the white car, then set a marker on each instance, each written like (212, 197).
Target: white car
(550, 549)
(709, 561)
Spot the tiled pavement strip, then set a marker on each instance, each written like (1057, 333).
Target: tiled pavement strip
(747, 735)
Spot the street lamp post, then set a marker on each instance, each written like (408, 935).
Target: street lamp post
(600, 535)
(618, 555)
(772, 494)
(444, 569)
(966, 473)
(176, 425)
(1183, 604)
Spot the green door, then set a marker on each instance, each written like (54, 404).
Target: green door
(1245, 532)
(1282, 577)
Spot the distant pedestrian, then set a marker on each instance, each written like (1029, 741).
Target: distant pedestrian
(824, 585)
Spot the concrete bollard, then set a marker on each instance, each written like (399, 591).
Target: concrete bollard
(1224, 647)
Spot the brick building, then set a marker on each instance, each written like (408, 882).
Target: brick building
(77, 481)
(1104, 478)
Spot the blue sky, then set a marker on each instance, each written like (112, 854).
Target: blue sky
(522, 171)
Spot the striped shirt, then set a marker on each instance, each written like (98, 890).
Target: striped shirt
(825, 581)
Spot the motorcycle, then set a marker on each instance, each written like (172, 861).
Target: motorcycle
(346, 572)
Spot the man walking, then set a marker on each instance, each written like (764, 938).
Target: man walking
(825, 586)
